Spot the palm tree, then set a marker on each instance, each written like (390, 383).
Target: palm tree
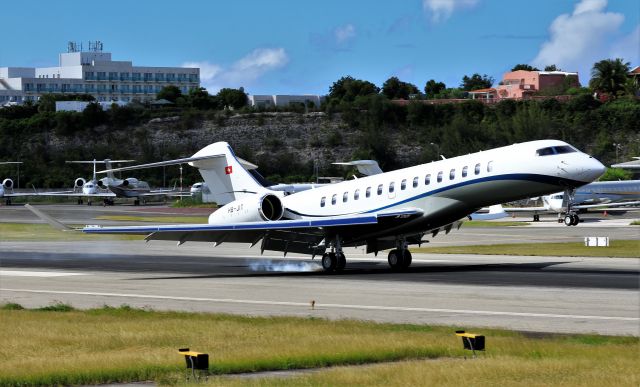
(609, 76)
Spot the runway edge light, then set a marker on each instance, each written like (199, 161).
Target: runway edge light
(471, 341)
(197, 363)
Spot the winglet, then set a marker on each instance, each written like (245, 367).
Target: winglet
(52, 222)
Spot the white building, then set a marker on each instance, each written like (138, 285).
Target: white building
(267, 101)
(93, 72)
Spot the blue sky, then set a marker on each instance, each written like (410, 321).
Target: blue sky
(281, 47)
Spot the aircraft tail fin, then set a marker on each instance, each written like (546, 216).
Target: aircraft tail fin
(226, 175)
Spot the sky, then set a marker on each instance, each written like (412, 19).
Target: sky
(302, 47)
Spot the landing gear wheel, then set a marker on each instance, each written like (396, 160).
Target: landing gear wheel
(406, 260)
(536, 218)
(576, 220)
(395, 259)
(136, 202)
(89, 203)
(8, 202)
(341, 261)
(568, 220)
(329, 262)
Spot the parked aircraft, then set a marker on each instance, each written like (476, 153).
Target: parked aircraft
(597, 195)
(389, 210)
(6, 189)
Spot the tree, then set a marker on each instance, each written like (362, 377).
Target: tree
(433, 88)
(476, 82)
(200, 99)
(235, 98)
(348, 88)
(525, 67)
(170, 93)
(609, 76)
(394, 88)
(552, 68)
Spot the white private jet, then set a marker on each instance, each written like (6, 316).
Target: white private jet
(389, 210)
(604, 195)
(6, 189)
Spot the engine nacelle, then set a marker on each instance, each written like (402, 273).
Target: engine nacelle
(7, 183)
(79, 183)
(253, 209)
(130, 181)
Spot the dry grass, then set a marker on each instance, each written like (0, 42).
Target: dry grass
(44, 232)
(618, 248)
(117, 345)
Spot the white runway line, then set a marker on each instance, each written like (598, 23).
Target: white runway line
(42, 274)
(323, 305)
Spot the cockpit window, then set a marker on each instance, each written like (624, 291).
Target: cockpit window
(555, 150)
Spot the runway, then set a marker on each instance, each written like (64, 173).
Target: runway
(547, 294)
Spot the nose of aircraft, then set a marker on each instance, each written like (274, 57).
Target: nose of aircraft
(581, 167)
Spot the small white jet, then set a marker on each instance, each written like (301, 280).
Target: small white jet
(390, 210)
(6, 189)
(603, 195)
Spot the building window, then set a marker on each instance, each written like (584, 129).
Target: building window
(415, 182)
(427, 179)
(403, 184)
(392, 187)
(477, 169)
(356, 195)
(323, 201)
(334, 199)
(368, 192)
(345, 197)
(464, 171)
(452, 174)
(490, 166)
(440, 177)
(380, 189)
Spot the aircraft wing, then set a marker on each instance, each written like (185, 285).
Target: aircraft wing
(526, 209)
(71, 194)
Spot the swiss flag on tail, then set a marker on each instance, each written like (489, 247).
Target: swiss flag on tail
(228, 169)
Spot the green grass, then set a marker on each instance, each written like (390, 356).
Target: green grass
(486, 223)
(193, 203)
(617, 248)
(44, 232)
(111, 345)
(635, 223)
(155, 219)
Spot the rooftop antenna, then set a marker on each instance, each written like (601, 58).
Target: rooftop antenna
(74, 46)
(95, 46)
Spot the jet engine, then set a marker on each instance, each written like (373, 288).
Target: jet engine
(79, 183)
(130, 181)
(7, 183)
(252, 209)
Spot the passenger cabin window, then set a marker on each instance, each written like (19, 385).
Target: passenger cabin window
(464, 171)
(345, 197)
(427, 179)
(415, 182)
(334, 198)
(452, 174)
(490, 166)
(440, 177)
(392, 187)
(477, 169)
(555, 150)
(356, 194)
(323, 201)
(403, 184)
(368, 193)
(380, 189)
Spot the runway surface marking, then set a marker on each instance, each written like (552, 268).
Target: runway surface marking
(322, 305)
(43, 274)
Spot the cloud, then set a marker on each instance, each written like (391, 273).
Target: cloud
(340, 38)
(243, 72)
(628, 47)
(579, 39)
(441, 10)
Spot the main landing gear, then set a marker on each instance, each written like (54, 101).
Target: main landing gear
(335, 261)
(400, 257)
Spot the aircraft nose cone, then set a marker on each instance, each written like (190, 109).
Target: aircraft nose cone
(595, 169)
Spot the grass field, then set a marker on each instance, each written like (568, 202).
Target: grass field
(155, 219)
(44, 232)
(122, 344)
(617, 248)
